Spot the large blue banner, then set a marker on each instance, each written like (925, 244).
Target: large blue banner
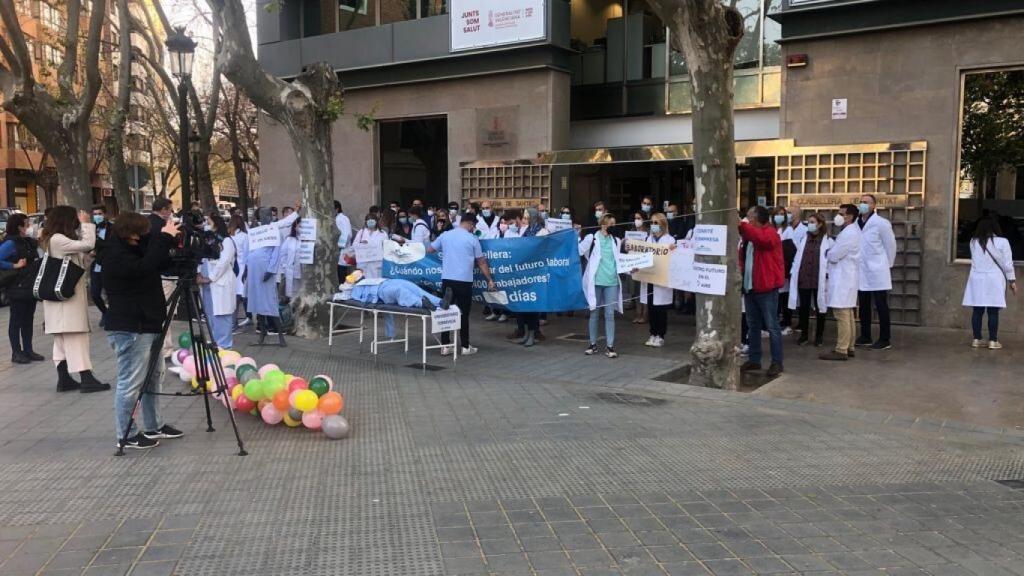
(536, 274)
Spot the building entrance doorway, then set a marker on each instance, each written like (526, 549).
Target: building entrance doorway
(414, 161)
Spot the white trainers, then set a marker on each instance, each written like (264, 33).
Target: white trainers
(765, 334)
(503, 318)
(491, 317)
(744, 349)
(650, 341)
(995, 345)
(446, 351)
(468, 351)
(787, 331)
(658, 342)
(977, 343)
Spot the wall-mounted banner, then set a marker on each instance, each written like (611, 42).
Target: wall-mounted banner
(266, 236)
(480, 23)
(537, 274)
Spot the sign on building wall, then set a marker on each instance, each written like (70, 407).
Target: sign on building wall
(839, 108)
(496, 133)
(481, 23)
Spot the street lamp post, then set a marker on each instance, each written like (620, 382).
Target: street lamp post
(193, 146)
(182, 50)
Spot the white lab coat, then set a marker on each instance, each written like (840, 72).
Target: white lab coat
(798, 234)
(662, 294)
(844, 268)
(420, 232)
(372, 269)
(785, 233)
(592, 252)
(290, 269)
(877, 254)
(241, 241)
(491, 231)
(222, 280)
(990, 271)
(344, 226)
(794, 280)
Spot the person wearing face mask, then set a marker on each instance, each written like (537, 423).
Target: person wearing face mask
(262, 267)
(658, 298)
(633, 286)
(601, 284)
(565, 213)
(542, 211)
(240, 238)
(344, 226)
(217, 280)
(599, 211)
(420, 232)
(440, 225)
(453, 211)
(67, 234)
(17, 253)
(370, 234)
(877, 257)
(394, 206)
(403, 226)
(99, 218)
(487, 222)
(428, 215)
(161, 212)
(780, 219)
(290, 272)
(843, 278)
(528, 323)
(807, 284)
(761, 261)
(509, 226)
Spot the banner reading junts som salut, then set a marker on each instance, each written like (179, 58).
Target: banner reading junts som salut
(536, 274)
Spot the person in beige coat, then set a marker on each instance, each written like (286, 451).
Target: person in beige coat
(66, 233)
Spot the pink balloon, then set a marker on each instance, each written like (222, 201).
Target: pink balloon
(181, 354)
(231, 381)
(267, 368)
(312, 419)
(189, 365)
(291, 398)
(271, 415)
(298, 384)
(245, 360)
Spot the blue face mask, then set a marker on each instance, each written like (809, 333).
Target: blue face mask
(655, 229)
(789, 218)
(513, 228)
(97, 219)
(646, 207)
(371, 224)
(404, 220)
(863, 208)
(670, 215)
(544, 214)
(812, 227)
(779, 219)
(487, 213)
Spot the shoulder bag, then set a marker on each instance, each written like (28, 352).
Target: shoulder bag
(56, 279)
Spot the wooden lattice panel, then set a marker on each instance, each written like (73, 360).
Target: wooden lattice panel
(507, 185)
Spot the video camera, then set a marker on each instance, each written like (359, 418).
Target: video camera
(194, 243)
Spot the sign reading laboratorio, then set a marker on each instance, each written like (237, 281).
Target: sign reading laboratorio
(266, 236)
(445, 320)
(710, 239)
(481, 23)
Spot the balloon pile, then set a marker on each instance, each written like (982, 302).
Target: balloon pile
(267, 392)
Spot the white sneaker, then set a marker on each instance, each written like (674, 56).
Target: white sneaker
(650, 341)
(787, 331)
(446, 351)
(744, 349)
(995, 345)
(491, 317)
(765, 334)
(468, 351)
(244, 322)
(658, 342)
(977, 343)
(503, 318)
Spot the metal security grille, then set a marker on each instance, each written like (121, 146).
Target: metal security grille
(507, 185)
(821, 178)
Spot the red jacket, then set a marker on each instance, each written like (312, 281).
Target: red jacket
(769, 273)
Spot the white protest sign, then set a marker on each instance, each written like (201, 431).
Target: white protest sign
(306, 252)
(266, 236)
(368, 251)
(557, 225)
(710, 278)
(404, 253)
(445, 320)
(499, 297)
(710, 239)
(307, 230)
(680, 268)
(626, 263)
(636, 235)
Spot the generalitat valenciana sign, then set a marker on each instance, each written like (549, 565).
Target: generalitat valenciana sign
(482, 23)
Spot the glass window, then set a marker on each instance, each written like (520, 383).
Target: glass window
(397, 10)
(747, 55)
(990, 182)
(354, 14)
(771, 35)
(433, 8)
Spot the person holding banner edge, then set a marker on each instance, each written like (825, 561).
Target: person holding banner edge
(461, 248)
(658, 298)
(601, 283)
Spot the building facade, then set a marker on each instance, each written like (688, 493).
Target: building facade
(520, 101)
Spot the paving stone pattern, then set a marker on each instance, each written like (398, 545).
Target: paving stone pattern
(510, 463)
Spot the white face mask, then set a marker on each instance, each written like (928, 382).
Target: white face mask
(638, 224)
(430, 212)
(839, 221)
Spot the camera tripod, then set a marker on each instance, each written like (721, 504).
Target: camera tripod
(204, 353)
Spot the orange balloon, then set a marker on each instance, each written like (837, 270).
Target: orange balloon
(281, 401)
(331, 403)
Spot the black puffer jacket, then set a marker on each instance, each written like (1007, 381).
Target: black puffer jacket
(131, 279)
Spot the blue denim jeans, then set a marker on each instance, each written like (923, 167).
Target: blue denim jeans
(993, 322)
(763, 314)
(607, 299)
(132, 352)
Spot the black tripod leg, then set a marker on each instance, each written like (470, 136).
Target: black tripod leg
(154, 357)
(201, 351)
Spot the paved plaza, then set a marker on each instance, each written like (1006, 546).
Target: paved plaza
(517, 462)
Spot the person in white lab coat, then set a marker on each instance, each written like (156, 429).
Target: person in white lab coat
(808, 285)
(420, 227)
(843, 279)
(780, 219)
(217, 279)
(658, 298)
(371, 234)
(291, 270)
(601, 284)
(878, 254)
(487, 222)
(240, 236)
(991, 270)
(344, 225)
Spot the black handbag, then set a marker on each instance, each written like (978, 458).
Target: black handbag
(56, 279)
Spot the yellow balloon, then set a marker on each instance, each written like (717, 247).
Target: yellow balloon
(221, 353)
(211, 386)
(306, 400)
(195, 383)
(291, 423)
(237, 391)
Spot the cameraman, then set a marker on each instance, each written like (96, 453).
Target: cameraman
(132, 260)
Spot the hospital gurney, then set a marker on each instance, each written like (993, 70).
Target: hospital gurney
(375, 310)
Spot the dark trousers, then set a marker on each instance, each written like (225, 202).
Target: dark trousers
(784, 310)
(809, 297)
(528, 321)
(462, 293)
(744, 330)
(993, 322)
(19, 329)
(881, 301)
(96, 291)
(657, 315)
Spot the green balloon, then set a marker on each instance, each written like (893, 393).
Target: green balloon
(274, 376)
(319, 386)
(271, 387)
(246, 376)
(254, 390)
(244, 369)
(185, 340)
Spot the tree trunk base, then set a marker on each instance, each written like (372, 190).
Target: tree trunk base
(713, 366)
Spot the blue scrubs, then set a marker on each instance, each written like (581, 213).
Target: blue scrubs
(221, 326)
(395, 292)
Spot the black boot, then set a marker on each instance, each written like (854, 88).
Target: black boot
(262, 325)
(275, 325)
(448, 298)
(428, 305)
(65, 383)
(91, 384)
